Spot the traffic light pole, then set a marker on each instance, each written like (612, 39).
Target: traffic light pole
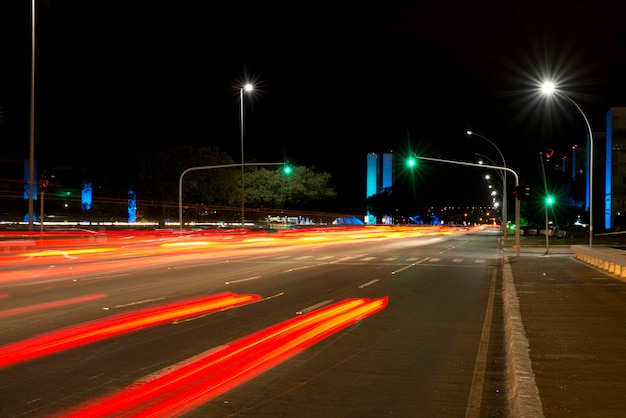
(207, 167)
(494, 167)
(545, 186)
(43, 192)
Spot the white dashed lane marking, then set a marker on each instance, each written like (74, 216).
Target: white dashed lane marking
(366, 258)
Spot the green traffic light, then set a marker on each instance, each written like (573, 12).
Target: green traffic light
(287, 170)
(411, 162)
(549, 200)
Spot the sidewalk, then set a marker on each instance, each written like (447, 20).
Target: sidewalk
(566, 333)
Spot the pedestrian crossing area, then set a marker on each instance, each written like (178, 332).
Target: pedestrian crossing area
(365, 258)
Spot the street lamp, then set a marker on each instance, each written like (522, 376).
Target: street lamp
(488, 177)
(548, 88)
(247, 88)
(504, 190)
(494, 167)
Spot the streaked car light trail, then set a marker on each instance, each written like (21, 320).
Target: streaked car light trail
(195, 383)
(50, 305)
(89, 332)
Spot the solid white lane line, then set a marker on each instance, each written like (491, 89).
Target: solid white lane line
(478, 380)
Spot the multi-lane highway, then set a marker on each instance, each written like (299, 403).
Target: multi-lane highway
(387, 324)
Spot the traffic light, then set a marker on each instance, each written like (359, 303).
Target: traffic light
(549, 200)
(287, 170)
(521, 192)
(411, 162)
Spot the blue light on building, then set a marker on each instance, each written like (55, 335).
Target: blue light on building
(387, 180)
(132, 207)
(27, 180)
(379, 177)
(86, 196)
(372, 185)
(608, 170)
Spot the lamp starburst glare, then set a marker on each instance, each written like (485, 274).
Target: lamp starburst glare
(547, 87)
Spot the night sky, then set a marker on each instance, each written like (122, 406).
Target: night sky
(333, 81)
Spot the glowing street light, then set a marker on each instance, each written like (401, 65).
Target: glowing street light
(504, 190)
(549, 88)
(493, 167)
(247, 88)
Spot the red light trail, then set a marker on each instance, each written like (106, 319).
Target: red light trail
(195, 383)
(118, 250)
(89, 332)
(50, 305)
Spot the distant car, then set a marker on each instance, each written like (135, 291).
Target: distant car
(530, 230)
(276, 219)
(575, 231)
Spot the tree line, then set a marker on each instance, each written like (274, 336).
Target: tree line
(156, 173)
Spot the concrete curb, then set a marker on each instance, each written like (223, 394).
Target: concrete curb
(523, 393)
(608, 259)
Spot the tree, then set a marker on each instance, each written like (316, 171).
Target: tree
(272, 188)
(382, 204)
(158, 173)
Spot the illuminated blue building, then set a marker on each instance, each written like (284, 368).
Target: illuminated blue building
(379, 177)
(86, 196)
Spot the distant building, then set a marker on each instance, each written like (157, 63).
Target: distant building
(379, 177)
(615, 169)
(609, 197)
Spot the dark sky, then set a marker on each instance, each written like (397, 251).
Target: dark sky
(334, 80)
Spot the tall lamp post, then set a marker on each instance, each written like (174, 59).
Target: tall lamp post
(31, 166)
(548, 88)
(504, 191)
(247, 88)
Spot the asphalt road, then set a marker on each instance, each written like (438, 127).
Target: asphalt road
(434, 349)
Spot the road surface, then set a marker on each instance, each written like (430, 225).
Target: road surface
(407, 326)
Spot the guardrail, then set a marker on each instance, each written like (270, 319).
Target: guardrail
(608, 259)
